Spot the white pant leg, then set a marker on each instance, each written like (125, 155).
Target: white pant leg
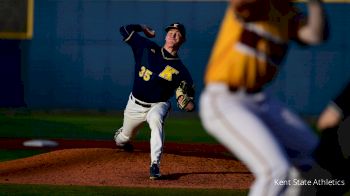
(293, 133)
(227, 119)
(134, 117)
(155, 118)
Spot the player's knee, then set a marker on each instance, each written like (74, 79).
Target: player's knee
(155, 120)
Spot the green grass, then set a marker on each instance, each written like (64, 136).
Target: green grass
(44, 190)
(6, 155)
(87, 125)
(92, 126)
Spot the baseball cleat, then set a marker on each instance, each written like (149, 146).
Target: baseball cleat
(154, 172)
(127, 147)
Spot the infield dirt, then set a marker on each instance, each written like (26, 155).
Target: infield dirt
(98, 163)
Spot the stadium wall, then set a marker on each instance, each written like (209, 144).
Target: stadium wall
(76, 58)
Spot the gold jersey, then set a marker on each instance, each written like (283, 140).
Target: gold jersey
(247, 55)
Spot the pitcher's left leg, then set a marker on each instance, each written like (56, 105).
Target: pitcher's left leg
(155, 118)
(134, 117)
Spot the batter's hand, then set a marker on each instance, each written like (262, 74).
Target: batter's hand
(251, 10)
(148, 31)
(329, 118)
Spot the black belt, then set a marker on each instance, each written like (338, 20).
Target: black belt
(248, 91)
(139, 103)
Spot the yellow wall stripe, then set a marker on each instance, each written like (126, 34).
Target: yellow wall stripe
(29, 28)
(30, 19)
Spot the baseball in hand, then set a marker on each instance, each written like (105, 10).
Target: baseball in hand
(149, 32)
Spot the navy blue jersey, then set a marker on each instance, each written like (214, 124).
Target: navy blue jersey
(157, 72)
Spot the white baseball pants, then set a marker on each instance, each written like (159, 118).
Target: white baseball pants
(262, 133)
(134, 117)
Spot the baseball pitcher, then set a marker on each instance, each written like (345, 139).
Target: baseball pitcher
(159, 73)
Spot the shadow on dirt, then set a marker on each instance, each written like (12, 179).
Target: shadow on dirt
(177, 176)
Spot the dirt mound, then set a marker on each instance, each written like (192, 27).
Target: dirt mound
(112, 167)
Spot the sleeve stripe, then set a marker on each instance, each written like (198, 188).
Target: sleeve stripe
(127, 32)
(127, 39)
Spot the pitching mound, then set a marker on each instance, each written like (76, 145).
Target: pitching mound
(112, 167)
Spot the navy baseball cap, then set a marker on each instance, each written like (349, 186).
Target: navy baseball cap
(179, 27)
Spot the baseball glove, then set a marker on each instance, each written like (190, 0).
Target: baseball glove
(184, 95)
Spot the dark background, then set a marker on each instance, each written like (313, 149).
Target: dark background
(76, 58)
